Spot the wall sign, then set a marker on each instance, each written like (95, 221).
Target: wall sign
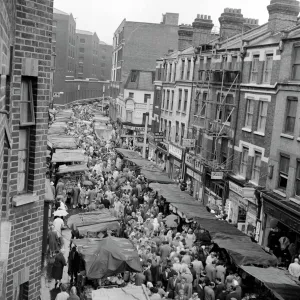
(236, 188)
(189, 160)
(176, 152)
(198, 165)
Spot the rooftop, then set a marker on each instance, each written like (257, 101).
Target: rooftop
(86, 32)
(140, 80)
(59, 12)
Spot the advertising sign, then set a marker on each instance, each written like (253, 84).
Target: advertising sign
(158, 137)
(189, 160)
(188, 143)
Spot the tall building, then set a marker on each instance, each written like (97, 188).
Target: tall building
(104, 61)
(25, 59)
(87, 48)
(137, 45)
(63, 42)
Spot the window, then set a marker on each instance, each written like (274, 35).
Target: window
(284, 165)
(256, 167)
(163, 99)
(268, 68)
(188, 70)
(182, 131)
(203, 105)
(168, 99)
(146, 98)
(165, 128)
(169, 130)
(179, 99)
(80, 69)
(296, 64)
(196, 111)
(219, 108)
(262, 116)
(131, 95)
(23, 159)
(234, 63)
(199, 143)
(81, 50)
(185, 100)
(161, 124)
(208, 63)
(228, 108)
(244, 162)
(26, 104)
(249, 113)
(177, 132)
(170, 72)
(224, 151)
(54, 23)
(182, 68)
(133, 76)
(172, 101)
(82, 41)
(291, 111)
(53, 37)
(128, 116)
(254, 69)
(297, 181)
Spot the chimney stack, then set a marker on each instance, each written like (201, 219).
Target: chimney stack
(282, 14)
(250, 24)
(185, 36)
(202, 27)
(231, 23)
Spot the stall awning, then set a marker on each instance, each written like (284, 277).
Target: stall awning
(276, 280)
(158, 177)
(72, 169)
(68, 156)
(128, 153)
(62, 142)
(238, 245)
(48, 191)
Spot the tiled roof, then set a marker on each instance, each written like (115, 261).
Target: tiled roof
(59, 12)
(144, 81)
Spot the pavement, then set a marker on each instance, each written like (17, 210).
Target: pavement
(48, 292)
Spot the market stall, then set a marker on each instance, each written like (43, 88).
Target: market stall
(107, 257)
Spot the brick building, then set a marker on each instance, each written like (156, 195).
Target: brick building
(104, 61)
(145, 42)
(63, 45)
(25, 58)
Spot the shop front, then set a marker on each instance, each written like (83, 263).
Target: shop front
(162, 155)
(280, 227)
(242, 208)
(192, 175)
(174, 163)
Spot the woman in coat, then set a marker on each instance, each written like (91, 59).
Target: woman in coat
(53, 241)
(58, 266)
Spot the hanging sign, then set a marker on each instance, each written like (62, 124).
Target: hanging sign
(216, 175)
(189, 160)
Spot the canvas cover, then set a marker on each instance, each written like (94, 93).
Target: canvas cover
(238, 245)
(277, 280)
(108, 257)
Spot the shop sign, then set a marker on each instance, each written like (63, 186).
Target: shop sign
(197, 177)
(235, 188)
(216, 175)
(189, 160)
(189, 172)
(177, 163)
(188, 143)
(158, 137)
(243, 203)
(176, 152)
(198, 165)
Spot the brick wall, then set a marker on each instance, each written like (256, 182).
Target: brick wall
(32, 43)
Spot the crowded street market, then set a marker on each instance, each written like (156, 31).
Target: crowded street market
(133, 232)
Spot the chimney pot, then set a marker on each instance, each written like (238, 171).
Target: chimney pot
(226, 10)
(205, 17)
(198, 16)
(239, 11)
(209, 17)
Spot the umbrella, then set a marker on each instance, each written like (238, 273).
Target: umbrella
(87, 182)
(171, 221)
(60, 213)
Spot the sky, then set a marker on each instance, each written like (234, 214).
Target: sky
(104, 17)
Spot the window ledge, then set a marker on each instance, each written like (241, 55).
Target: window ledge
(247, 129)
(295, 200)
(287, 136)
(280, 193)
(23, 199)
(259, 133)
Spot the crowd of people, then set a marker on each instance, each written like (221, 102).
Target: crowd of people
(178, 259)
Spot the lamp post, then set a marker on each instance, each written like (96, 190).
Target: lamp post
(146, 128)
